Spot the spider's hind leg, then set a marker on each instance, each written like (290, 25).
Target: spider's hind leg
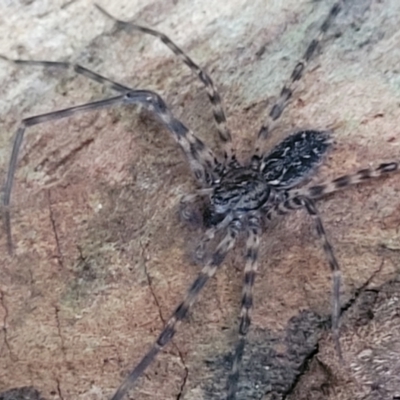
(335, 270)
(363, 175)
(294, 203)
(288, 89)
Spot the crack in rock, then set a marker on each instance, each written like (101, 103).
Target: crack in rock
(53, 225)
(57, 311)
(155, 298)
(59, 389)
(6, 315)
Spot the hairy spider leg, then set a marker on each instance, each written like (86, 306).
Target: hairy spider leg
(200, 157)
(323, 189)
(213, 94)
(309, 205)
(294, 203)
(287, 90)
(252, 248)
(73, 67)
(304, 197)
(208, 271)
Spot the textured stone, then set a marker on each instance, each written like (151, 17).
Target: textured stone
(101, 257)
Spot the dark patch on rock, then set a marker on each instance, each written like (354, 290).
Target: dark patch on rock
(272, 362)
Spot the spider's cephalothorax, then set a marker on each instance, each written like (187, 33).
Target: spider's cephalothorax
(239, 190)
(238, 198)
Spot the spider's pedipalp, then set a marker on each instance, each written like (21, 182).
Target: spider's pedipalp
(208, 271)
(215, 98)
(74, 67)
(288, 89)
(187, 206)
(323, 189)
(295, 158)
(252, 248)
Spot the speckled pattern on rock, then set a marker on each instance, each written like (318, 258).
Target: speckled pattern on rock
(101, 257)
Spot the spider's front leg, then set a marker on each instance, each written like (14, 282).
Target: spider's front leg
(212, 92)
(201, 159)
(74, 67)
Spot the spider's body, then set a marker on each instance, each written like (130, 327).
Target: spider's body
(263, 184)
(295, 158)
(239, 198)
(240, 190)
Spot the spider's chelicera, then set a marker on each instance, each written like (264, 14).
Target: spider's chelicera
(237, 198)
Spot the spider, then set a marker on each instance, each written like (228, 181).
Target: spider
(235, 198)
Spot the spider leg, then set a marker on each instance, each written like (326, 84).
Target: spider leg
(74, 67)
(181, 311)
(294, 203)
(19, 136)
(335, 270)
(287, 91)
(85, 72)
(209, 235)
(215, 98)
(318, 191)
(252, 247)
(201, 159)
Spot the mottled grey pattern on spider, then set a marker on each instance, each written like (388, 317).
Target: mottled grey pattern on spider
(234, 198)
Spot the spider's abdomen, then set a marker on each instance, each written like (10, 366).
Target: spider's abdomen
(240, 189)
(295, 158)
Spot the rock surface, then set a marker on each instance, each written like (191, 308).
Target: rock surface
(101, 257)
